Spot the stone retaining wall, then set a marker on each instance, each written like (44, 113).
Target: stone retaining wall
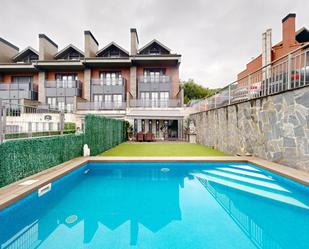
(275, 128)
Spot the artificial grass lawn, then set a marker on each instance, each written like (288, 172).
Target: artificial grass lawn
(161, 149)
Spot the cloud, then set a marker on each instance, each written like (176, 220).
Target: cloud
(215, 38)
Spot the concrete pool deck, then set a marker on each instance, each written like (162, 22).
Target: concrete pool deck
(17, 190)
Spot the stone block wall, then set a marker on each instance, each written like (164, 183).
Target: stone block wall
(275, 128)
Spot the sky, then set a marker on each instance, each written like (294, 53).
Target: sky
(216, 38)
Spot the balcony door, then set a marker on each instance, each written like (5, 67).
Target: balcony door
(66, 80)
(153, 75)
(97, 99)
(145, 98)
(111, 78)
(108, 100)
(154, 99)
(164, 98)
(117, 99)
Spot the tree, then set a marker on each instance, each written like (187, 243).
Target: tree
(192, 91)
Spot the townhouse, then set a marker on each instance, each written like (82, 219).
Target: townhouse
(141, 85)
(292, 41)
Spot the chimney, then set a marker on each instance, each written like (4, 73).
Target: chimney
(134, 41)
(91, 44)
(47, 48)
(266, 47)
(7, 50)
(288, 30)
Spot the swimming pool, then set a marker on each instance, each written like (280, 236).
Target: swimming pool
(161, 205)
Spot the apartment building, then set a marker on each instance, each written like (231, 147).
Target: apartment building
(140, 85)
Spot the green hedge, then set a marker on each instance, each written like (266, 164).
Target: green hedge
(24, 157)
(103, 133)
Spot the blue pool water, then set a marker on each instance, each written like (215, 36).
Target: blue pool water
(162, 205)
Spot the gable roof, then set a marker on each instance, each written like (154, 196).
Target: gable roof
(110, 45)
(152, 42)
(64, 50)
(21, 53)
(302, 35)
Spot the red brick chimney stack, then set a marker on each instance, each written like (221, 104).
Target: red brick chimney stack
(288, 30)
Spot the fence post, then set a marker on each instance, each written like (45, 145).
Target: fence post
(229, 94)
(289, 70)
(249, 86)
(61, 122)
(2, 121)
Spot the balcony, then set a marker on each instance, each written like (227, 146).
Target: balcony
(11, 91)
(61, 88)
(155, 103)
(82, 106)
(108, 86)
(160, 83)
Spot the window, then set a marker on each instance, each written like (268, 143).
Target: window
(117, 100)
(108, 100)
(61, 106)
(150, 125)
(97, 99)
(22, 82)
(153, 74)
(111, 78)
(69, 107)
(52, 102)
(66, 80)
(145, 96)
(143, 125)
(164, 98)
(154, 99)
(157, 128)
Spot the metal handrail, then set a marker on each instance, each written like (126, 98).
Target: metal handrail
(287, 72)
(108, 81)
(63, 84)
(155, 103)
(101, 105)
(154, 79)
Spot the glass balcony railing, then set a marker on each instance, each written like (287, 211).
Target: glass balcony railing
(63, 84)
(155, 103)
(109, 81)
(61, 88)
(10, 91)
(154, 79)
(101, 106)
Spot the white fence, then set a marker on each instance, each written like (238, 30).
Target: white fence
(20, 121)
(288, 72)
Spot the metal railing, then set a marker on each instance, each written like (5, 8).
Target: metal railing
(288, 72)
(82, 106)
(155, 103)
(154, 79)
(63, 84)
(14, 90)
(20, 121)
(108, 81)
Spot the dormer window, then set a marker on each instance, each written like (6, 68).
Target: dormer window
(26, 56)
(113, 50)
(154, 48)
(69, 53)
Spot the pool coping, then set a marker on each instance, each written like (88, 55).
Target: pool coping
(13, 192)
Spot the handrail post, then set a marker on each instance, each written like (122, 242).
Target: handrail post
(229, 94)
(2, 121)
(249, 86)
(61, 122)
(289, 70)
